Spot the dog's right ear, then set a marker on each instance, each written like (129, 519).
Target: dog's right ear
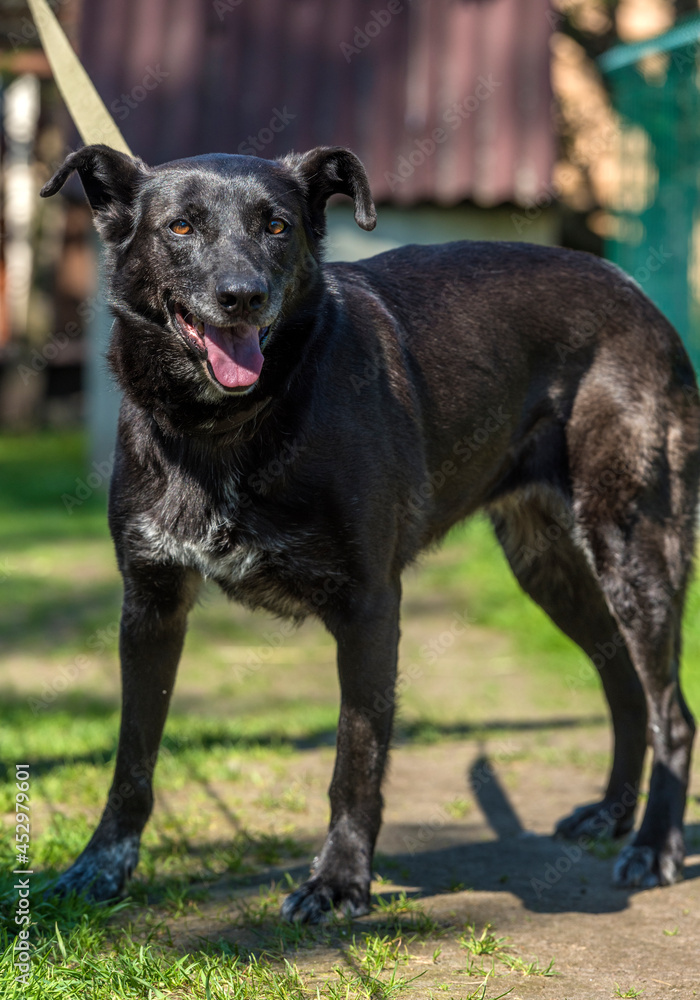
(111, 181)
(329, 170)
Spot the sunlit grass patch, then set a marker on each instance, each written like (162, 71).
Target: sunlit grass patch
(485, 943)
(110, 952)
(531, 968)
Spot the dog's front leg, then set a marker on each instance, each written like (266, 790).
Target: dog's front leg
(367, 653)
(153, 624)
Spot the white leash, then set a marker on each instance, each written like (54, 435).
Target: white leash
(86, 107)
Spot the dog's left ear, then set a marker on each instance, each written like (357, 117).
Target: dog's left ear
(329, 170)
(111, 181)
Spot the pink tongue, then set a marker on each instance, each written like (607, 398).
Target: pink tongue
(236, 358)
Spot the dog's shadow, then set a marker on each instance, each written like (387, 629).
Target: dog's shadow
(548, 875)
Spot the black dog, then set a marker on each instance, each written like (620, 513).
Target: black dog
(359, 391)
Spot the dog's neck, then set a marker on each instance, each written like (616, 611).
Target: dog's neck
(237, 426)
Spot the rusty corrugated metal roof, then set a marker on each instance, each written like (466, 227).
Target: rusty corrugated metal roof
(385, 77)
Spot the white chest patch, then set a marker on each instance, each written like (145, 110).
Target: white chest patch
(162, 546)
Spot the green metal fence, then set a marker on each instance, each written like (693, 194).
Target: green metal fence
(655, 88)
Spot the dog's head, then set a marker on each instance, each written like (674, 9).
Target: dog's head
(209, 256)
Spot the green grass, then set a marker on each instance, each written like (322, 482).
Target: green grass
(37, 472)
(474, 576)
(485, 943)
(246, 708)
(487, 946)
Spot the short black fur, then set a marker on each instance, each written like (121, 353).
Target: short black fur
(397, 396)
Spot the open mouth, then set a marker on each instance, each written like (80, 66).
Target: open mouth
(234, 354)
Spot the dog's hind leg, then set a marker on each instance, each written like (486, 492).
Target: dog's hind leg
(534, 532)
(153, 624)
(367, 638)
(638, 532)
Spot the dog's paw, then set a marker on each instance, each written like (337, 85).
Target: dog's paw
(635, 868)
(641, 866)
(599, 820)
(100, 873)
(317, 901)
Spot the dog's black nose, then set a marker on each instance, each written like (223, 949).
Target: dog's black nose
(241, 295)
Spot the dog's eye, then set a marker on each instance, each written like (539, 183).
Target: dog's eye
(181, 227)
(276, 226)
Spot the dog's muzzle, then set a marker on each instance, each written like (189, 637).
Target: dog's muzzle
(234, 354)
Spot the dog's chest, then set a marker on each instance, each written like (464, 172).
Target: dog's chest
(208, 548)
(278, 566)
